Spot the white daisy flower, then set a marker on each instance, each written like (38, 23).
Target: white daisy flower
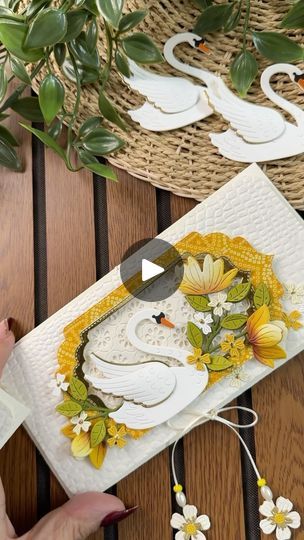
(190, 525)
(219, 304)
(279, 518)
(203, 321)
(58, 384)
(81, 423)
(295, 293)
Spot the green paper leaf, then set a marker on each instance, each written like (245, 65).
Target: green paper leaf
(29, 108)
(3, 82)
(75, 22)
(194, 335)
(47, 140)
(8, 157)
(141, 49)
(100, 141)
(101, 170)
(277, 47)
(200, 303)
(243, 71)
(18, 69)
(261, 296)
(7, 136)
(48, 27)
(295, 16)
(213, 19)
(233, 321)
(219, 363)
(78, 389)
(12, 35)
(51, 97)
(122, 64)
(131, 20)
(98, 433)
(69, 408)
(111, 10)
(109, 112)
(239, 292)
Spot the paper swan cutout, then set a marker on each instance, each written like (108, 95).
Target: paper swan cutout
(152, 392)
(258, 133)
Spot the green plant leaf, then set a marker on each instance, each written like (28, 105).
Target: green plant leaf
(219, 363)
(18, 69)
(60, 53)
(213, 19)
(295, 16)
(101, 170)
(194, 335)
(239, 292)
(233, 321)
(100, 141)
(233, 19)
(7, 136)
(122, 64)
(35, 6)
(47, 140)
(3, 82)
(277, 47)
(51, 97)
(48, 28)
(87, 75)
(98, 433)
(55, 130)
(111, 10)
(261, 296)
(131, 20)
(69, 408)
(141, 49)
(243, 71)
(29, 108)
(91, 6)
(78, 389)
(79, 48)
(12, 35)
(88, 125)
(92, 36)
(8, 157)
(109, 112)
(76, 20)
(202, 4)
(200, 303)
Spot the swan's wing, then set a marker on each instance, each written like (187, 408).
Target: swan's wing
(150, 384)
(153, 119)
(255, 123)
(113, 370)
(171, 94)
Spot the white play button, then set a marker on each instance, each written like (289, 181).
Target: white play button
(150, 270)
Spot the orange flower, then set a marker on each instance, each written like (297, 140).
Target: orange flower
(264, 336)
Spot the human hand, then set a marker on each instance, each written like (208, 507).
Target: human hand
(80, 516)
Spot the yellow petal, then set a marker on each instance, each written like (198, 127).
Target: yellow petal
(295, 314)
(206, 358)
(112, 430)
(259, 317)
(122, 431)
(218, 272)
(225, 346)
(67, 430)
(111, 441)
(226, 279)
(121, 443)
(81, 445)
(267, 355)
(192, 282)
(268, 335)
(98, 455)
(208, 273)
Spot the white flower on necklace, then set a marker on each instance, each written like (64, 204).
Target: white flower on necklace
(295, 293)
(80, 422)
(203, 322)
(279, 518)
(58, 384)
(190, 525)
(219, 304)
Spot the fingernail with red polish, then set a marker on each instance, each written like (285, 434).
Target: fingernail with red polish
(116, 517)
(4, 329)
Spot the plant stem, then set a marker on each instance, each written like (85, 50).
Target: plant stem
(108, 66)
(246, 24)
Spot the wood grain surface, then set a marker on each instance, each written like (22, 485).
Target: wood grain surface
(89, 225)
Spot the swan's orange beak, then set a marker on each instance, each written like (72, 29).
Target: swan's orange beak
(203, 47)
(166, 322)
(301, 83)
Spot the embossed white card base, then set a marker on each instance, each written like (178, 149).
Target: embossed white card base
(248, 206)
(12, 414)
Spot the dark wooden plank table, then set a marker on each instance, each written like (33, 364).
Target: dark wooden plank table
(59, 233)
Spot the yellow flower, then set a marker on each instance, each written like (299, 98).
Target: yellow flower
(291, 319)
(264, 336)
(235, 347)
(117, 436)
(198, 359)
(210, 279)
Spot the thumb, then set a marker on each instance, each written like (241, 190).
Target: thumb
(79, 517)
(7, 341)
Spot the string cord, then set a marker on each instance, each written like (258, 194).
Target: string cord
(215, 416)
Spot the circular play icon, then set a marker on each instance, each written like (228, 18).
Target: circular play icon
(152, 270)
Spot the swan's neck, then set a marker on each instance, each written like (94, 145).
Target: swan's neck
(281, 102)
(170, 352)
(169, 47)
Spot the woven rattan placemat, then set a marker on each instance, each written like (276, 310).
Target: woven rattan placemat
(184, 161)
